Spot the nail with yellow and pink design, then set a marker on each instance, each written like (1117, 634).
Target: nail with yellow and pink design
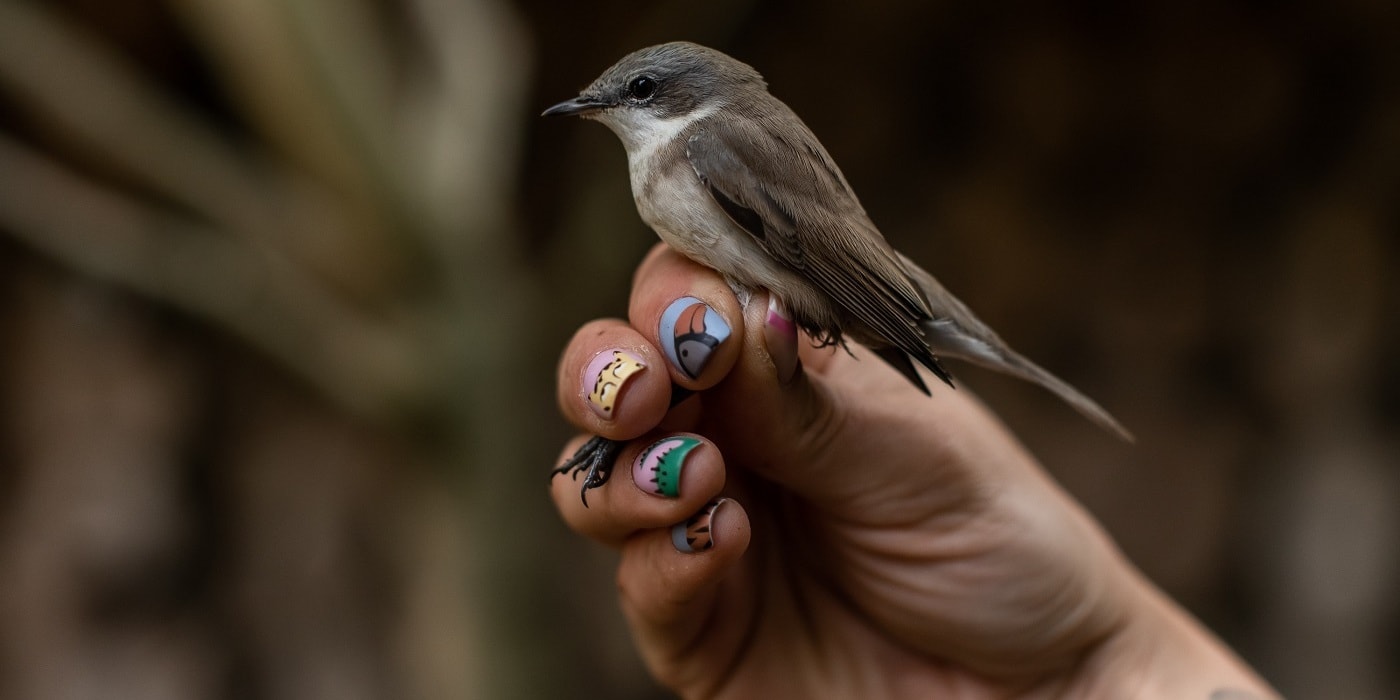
(606, 376)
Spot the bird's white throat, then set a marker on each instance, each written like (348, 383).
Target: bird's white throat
(643, 133)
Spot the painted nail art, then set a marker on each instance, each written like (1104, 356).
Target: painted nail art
(694, 535)
(690, 331)
(658, 468)
(780, 337)
(605, 377)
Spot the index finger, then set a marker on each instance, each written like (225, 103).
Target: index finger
(689, 312)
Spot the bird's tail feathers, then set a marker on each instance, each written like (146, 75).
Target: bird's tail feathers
(955, 331)
(949, 340)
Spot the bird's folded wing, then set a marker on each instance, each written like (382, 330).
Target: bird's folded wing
(789, 195)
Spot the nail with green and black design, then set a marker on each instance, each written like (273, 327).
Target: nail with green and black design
(657, 470)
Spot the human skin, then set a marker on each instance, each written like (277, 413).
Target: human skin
(874, 541)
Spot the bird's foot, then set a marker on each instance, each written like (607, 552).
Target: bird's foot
(594, 460)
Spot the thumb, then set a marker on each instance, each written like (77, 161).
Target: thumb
(839, 427)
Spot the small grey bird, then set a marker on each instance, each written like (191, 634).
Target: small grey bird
(729, 176)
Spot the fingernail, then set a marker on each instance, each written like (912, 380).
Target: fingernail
(690, 331)
(695, 535)
(658, 468)
(780, 335)
(605, 377)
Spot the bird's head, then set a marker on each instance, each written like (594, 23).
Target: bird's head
(651, 91)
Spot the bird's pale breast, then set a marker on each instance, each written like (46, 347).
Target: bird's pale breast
(673, 201)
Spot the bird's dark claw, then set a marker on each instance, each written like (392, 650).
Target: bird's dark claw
(594, 460)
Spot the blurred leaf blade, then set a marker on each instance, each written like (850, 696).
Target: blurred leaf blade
(256, 52)
(93, 98)
(366, 366)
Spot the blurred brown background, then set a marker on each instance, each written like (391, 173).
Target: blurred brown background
(282, 283)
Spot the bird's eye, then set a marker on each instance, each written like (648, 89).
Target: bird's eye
(641, 88)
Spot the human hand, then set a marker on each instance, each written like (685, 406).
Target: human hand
(871, 541)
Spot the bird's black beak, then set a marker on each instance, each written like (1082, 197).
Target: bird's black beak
(583, 104)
